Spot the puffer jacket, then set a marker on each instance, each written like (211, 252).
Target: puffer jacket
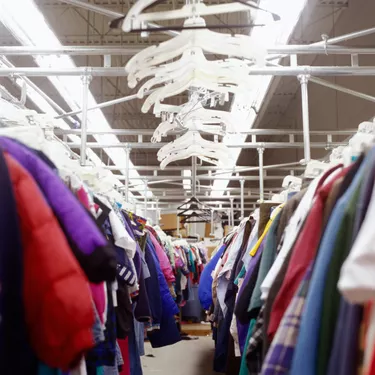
(58, 306)
(96, 257)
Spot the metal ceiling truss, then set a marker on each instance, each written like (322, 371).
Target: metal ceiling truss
(304, 74)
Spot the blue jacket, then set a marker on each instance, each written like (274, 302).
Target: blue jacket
(168, 333)
(205, 283)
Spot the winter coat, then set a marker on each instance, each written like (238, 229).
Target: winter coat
(16, 355)
(96, 257)
(58, 306)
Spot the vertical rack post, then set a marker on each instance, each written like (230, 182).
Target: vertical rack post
(194, 176)
(178, 224)
(157, 212)
(145, 199)
(194, 186)
(232, 211)
(212, 222)
(127, 160)
(261, 174)
(242, 183)
(304, 81)
(86, 79)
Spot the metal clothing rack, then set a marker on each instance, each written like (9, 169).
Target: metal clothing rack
(305, 75)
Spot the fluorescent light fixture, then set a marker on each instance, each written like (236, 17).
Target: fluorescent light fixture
(28, 26)
(272, 34)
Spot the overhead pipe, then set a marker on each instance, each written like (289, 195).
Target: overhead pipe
(343, 89)
(105, 104)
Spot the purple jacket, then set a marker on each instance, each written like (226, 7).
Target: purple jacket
(96, 257)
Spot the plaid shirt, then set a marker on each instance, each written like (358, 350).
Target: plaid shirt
(280, 355)
(254, 350)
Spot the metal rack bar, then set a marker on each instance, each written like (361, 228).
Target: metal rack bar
(132, 49)
(264, 71)
(245, 145)
(162, 179)
(249, 132)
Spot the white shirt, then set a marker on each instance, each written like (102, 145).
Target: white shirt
(290, 234)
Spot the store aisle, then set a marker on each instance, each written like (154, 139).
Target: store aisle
(193, 357)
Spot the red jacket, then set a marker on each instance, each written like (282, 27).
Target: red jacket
(58, 305)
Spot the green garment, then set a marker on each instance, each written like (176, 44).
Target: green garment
(243, 369)
(45, 370)
(268, 257)
(241, 275)
(100, 371)
(331, 296)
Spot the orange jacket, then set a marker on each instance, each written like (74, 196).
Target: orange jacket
(58, 305)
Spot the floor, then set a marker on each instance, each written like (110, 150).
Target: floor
(193, 357)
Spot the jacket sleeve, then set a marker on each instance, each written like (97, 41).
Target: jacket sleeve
(58, 305)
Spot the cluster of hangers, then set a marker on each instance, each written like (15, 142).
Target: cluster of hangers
(180, 65)
(340, 155)
(194, 211)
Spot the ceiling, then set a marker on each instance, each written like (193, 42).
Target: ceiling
(329, 109)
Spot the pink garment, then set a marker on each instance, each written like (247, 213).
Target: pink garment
(98, 292)
(100, 299)
(163, 260)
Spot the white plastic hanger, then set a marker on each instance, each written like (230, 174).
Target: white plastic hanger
(196, 150)
(192, 58)
(190, 81)
(314, 168)
(240, 46)
(135, 19)
(188, 139)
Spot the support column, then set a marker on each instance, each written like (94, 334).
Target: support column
(127, 160)
(261, 174)
(304, 81)
(242, 183)
(86, 79)
(212, 222)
